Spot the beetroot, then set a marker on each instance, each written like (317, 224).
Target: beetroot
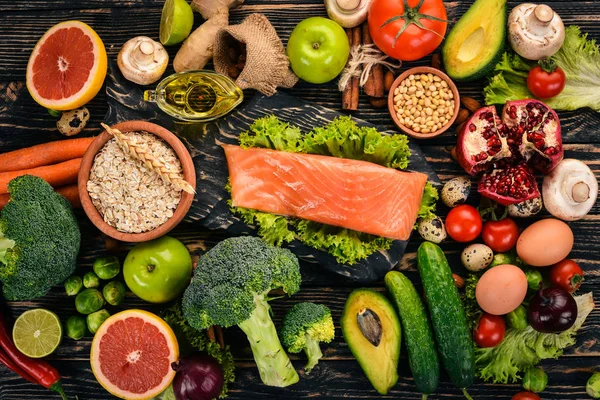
(507, 150)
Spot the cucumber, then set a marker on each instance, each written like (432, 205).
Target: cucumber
(422, 356)
(448, 318)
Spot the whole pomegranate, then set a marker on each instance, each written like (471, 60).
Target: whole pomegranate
(507, 150)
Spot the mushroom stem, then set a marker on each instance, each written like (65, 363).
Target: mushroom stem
(580, 192)
(348, 5)
(143, 54)
(539, 19)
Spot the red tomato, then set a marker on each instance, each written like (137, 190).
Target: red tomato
(526, 396)
(394, 28)
(501, 235)
(567, 275)
(545, 85)
(463, 223)
(489, 331)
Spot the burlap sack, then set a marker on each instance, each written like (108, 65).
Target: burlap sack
(267, 66)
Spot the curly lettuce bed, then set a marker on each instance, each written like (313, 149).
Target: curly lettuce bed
(341, 138)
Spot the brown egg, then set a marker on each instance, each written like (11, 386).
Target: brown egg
(501, 289)
(545, 242)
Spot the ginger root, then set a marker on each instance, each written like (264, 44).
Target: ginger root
(197, 50)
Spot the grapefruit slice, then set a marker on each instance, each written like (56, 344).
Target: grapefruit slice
(67, 66)
(132, 353)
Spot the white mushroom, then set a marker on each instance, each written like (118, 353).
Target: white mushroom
(535, 31)
(570, 190)
(348, 13)
(142, 60)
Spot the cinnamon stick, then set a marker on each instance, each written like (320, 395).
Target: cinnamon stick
(356, 40)
(374, 86)
(347, 93)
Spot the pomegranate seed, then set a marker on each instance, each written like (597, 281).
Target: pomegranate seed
(472, 128)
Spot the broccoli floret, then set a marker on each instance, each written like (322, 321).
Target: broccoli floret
(230, 287)
(39, 239)
(305, 325)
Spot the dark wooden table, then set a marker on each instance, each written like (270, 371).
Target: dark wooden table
(24, 123)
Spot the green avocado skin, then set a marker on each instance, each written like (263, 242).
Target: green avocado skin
(491, 16)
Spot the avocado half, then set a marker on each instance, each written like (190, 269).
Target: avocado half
(372, 330)
(476, 43)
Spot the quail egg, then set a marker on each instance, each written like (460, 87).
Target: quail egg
(72, 122)
(525, 209)
(477, 257)
(456, 191)
(432, 229)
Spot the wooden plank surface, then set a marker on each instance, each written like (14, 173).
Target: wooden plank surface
(24, 123)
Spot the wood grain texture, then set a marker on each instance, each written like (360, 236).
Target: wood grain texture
(338, 376)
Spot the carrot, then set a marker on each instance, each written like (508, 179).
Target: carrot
(70, 192)
(56, 175)
(44, 154)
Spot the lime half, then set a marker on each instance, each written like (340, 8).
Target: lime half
(37, 333)
(176, 22)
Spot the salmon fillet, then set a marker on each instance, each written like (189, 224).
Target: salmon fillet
(351, 194)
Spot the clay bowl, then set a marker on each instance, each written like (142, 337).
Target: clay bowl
(189, 174)
(423, 70)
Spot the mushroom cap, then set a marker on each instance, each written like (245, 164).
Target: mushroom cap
(348, 13)
(570, 190)
(535, 31)
(142, 60)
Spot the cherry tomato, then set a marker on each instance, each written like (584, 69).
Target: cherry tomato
(387, 18)
(566, 274)
(545, 85)
(489, 331)
(501, 235)
(463, 223)
(526, 396)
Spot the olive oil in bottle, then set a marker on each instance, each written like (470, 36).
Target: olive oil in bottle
(196, 95)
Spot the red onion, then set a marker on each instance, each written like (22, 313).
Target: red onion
(552, 310)
(199, 377)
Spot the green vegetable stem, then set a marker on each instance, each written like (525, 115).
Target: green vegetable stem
(91, 280)
(73, 285)
(76, 327)
(114, 292)
(94, 320)
(535, 380)
(89, 301)
(107, 267)
(517, 319)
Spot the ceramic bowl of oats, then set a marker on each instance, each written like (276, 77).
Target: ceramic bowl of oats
(137, 181)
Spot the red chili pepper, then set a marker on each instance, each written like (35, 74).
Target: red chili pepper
(8, 363)
(45, 374)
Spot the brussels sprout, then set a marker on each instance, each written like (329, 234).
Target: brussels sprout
(502, 258)
(73, 285)
(94, 320)
(114, 292)
(76, 327)
(91, 280)
(89, 301)
(517, 319)
(593, 386)
(534, 278)
(535, 380)
(107, 267)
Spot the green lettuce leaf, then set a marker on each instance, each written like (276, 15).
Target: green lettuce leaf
(578, 57)
(469, 300)
(340, 138)
(522, 349)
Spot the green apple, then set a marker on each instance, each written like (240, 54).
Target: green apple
(318, 49)
(159, 270)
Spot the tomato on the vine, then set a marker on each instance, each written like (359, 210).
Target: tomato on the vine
(543, 84)
(566, 274)
(490, 330)
(463, 223)
(501, 235)
(407, 33)
(526, 396)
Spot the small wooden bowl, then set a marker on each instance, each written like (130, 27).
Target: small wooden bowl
(189, 174)
(423, 70)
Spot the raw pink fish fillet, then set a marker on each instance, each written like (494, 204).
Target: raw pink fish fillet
(351, 194)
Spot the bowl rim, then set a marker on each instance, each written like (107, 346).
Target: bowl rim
(189, 174)
(420, 70)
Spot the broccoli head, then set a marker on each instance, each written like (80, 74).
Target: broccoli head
(39, 239)
(305, 325)
(230, 287)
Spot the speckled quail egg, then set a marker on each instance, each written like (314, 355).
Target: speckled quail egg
(477, 257)
(432, 229)
(72, 122)
(456, 191)
(525, 209)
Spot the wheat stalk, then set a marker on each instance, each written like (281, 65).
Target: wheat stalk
(139, 151)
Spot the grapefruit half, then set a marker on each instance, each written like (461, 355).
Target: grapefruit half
(132, 353)
(67, 66)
